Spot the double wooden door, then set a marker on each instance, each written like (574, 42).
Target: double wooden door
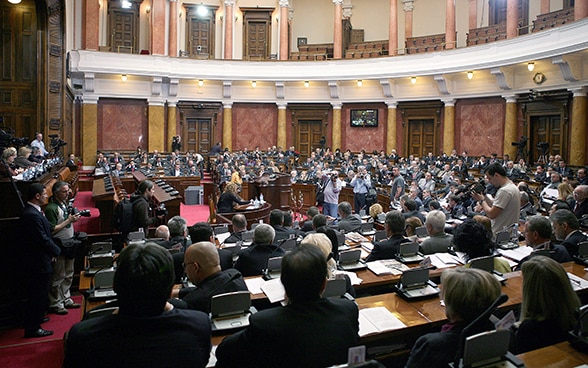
(546, 129)
(197, 135)
(421, 137)
(309, 134)
(124, 27)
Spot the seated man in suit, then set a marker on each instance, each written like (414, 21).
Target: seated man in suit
(202, 266)
(253, 260)
(349, 222)
(438, 241)
(162, 336)
(239, 228)
(580, 204)
(566, 229)
(202, 231)
(323, 329)
(310, 213)
(276, 221)
(388, 248)
(538, 235)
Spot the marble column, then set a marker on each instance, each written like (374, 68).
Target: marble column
(156, 128)
(89, 130)
(158, 27)
(229, 5)
(545, 6)
(284, 30)
(449, 126)
(450, 40)
(578, 127)
(512, 19)
(338, 31)
(393, 29)
(281, 139)
(473, 15)
(391, 127)
(336, 130)
(173, 28)
(228, 125)
(171, 122)
(580, 9)
(408, 8)
(510, 126)
(90, 25)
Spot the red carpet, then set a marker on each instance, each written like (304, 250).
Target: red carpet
(194, 213)
(44, 352)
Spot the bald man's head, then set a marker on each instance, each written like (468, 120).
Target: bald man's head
(162, 232)
(201, 260)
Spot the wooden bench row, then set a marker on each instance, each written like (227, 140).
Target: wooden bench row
(553, 19)
(429, 43)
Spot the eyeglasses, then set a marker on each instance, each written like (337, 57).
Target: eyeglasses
(185, 265)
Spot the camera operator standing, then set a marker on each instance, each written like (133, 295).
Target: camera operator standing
(61, 218)
(332, 188)
(361, 184)
(38, 142)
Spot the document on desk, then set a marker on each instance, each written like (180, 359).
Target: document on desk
(212, 358)
(254, 285)
(356, 237)
(222, 237)
(516, 254)
(578, 283)
(387, 267)
(274, 290)
(352, 276)
(377, 319)
(444, 260)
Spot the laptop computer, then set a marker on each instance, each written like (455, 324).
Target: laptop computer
(97, 262)
(487, 264)
(274, 268)
(415, 283)
(503, 240)
(367, 229)
(409, 253)
(103, 281)
(230, 310)
(350, 260)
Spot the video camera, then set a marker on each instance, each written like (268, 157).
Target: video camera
(521, 143)
(7, 138)
(75, 211)
(543, 147)
(161, 210)
(56, 142)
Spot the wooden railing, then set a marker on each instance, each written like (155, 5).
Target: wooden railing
(553, 19)
(429, 43)
(488, 34)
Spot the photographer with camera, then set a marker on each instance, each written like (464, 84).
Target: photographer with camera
(361, 184)
(331, 188)
(141, 200)
(61, 216)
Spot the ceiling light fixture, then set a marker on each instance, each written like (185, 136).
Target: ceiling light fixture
(413, 80)
(470, 74)
(359, 83)
(14, 1)
(306, 84)
(124, 77)
(531, 66)
(253, 84)
(200, 82)
(202, 10)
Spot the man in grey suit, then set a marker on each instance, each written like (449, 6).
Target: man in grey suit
(348, 222)
(438, 241)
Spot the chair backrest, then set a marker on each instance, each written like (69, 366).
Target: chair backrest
(230, 303)
(483, 263)
(335, 288)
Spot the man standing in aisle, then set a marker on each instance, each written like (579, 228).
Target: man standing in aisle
(38, 254)
(361, 184)
(504, 209)
(332, 188)
(38, 142)
(61, 219)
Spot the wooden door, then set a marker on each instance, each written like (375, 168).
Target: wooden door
(308, 134)
(199, 36)
(198, 135)
(421, 137)
(546, 128)
(19, 68)
(124, 27)
(256, 40)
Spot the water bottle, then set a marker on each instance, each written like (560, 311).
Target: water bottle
(514, 235)
(261, 201)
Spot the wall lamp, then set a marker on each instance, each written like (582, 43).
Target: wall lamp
(306, 84)
(124, 77)
(253, 84)
(200, 82)
(531, 66)
(413, 80)
(359, 83)
(470, 74)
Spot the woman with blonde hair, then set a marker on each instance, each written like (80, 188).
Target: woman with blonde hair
(375, 210)
(564, 192)
(324, 244)
(544, 322)
(229, 198)
(467, 293)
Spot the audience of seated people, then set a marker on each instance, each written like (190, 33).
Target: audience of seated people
(388, 248)
(253, 259)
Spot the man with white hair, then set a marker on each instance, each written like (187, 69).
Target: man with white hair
(580, 205)
(253, 259)
(438, 241)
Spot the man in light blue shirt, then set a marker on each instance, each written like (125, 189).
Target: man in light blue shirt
(361, 183)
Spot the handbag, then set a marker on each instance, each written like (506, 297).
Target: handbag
(68, 246)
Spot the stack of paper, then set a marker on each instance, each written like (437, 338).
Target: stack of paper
(516, 254)
(356, 237)
(578, 283)
(387, 267)
(444, 260)
(274, 290)
(378, 319)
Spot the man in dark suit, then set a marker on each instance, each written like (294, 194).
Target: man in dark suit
(566, 229)
(580, 204)
(39, 251)
(239, 228)
(323, 329)
(162, 336)
(538, 235)
(253, 259)
(388, 248)
(349, 222)
(276, 221)
(202, 231)
(202, 266)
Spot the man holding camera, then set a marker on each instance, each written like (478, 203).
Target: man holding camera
(61, 218)
(332, 188)
(361, 184)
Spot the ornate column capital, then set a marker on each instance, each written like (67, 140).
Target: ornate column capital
(408, 5)
(284, 3)
(338, 2)
(579, 91)
(337, 105)
(510, 98)
(229, 2)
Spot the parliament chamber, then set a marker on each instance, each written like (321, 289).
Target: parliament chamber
(473, 76)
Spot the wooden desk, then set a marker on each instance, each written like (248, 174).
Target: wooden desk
(252, 216)
(172, 203)
(561, 355)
